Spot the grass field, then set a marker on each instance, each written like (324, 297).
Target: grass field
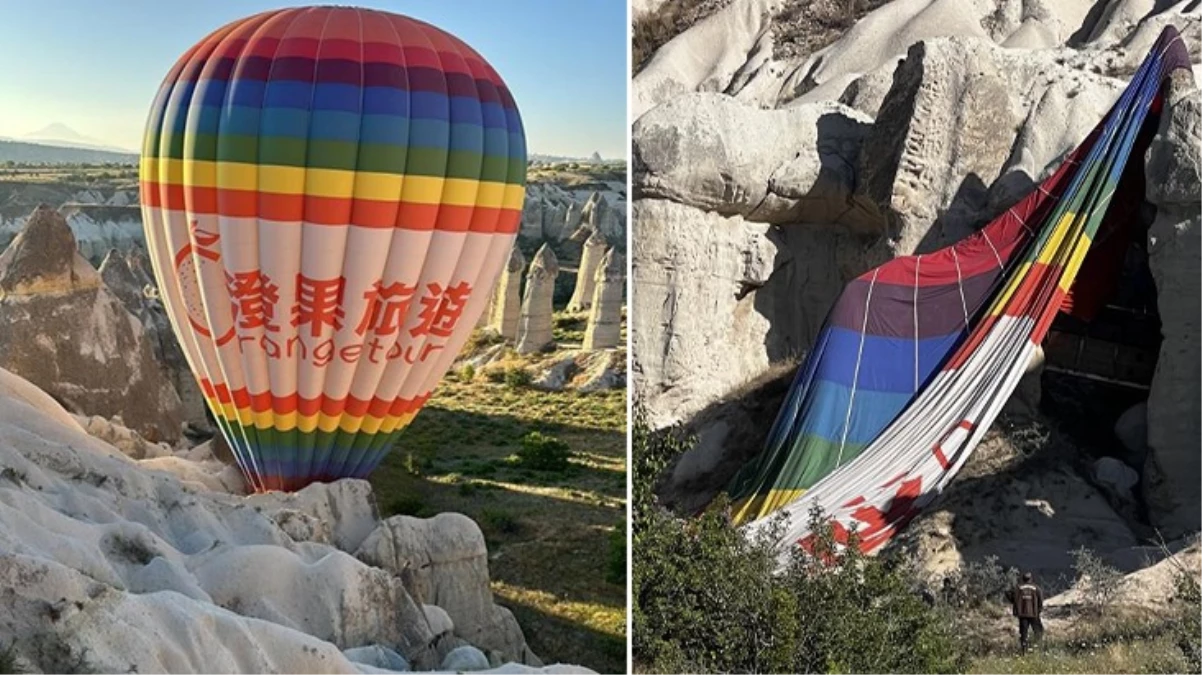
(549, 533)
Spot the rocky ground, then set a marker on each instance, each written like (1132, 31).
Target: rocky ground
(772, 164)
(158, 564)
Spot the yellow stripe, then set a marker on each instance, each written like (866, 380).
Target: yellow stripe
(1060, 234)
(760, 505)
(1003, 298)
(515, 197)
(1074, 262)
(333, 183)
(369, 424)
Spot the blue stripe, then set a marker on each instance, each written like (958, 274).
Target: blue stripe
(826, 412)
(887, 363)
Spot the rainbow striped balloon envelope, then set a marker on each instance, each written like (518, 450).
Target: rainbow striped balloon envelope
(328, 194)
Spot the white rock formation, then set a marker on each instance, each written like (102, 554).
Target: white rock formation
(552, 212)
(536, 318)
(590, 260)
(604, 328)
(109, 566)
(443, 561)
(1170, 483)
(506, 304)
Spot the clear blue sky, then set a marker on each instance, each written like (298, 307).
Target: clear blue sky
(95, 66)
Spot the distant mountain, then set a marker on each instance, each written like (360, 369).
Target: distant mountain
(41, 153)
(61, 135)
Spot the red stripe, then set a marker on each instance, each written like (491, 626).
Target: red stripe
(1049, 315)
(331, 210)
(283, 405)
(343, 33)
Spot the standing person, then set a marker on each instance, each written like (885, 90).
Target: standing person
(1027, 602)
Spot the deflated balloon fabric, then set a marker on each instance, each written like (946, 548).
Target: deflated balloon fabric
(918, 356)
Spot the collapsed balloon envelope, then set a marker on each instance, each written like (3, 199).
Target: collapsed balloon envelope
(328, 195)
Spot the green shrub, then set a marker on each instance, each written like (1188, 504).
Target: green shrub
(499, 521)
(542, 452)
(1100, 582)
(405, 505)
(978, 583)
(709, 599)
(517, 377)
(467, 373)
(1188, 629)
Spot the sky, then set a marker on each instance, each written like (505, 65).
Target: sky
(95, 67)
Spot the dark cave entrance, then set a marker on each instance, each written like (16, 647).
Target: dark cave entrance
(1097, 370)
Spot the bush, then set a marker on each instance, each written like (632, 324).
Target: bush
(405, 505)
(499, 521)
(517, 377)
(1100, 582)
(467, 373)
(542, 452)
(709, 599)
(1188, 629)
(978, 583)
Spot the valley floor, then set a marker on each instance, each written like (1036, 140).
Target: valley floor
(556, 539)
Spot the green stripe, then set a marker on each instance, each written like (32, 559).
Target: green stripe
(346, 156)
(797, 468)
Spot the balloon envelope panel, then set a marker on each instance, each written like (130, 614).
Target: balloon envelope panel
(328, 194)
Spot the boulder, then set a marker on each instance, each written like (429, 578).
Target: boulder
(377, 656)
(465, 659)
(443, 561)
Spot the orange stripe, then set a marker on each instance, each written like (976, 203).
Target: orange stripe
(330, 210)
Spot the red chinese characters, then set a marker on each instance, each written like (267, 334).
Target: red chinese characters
(318, 303)
(386, 308)
(441, 309)
(253, 296)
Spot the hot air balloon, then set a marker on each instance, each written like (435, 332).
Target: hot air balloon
(328, 196)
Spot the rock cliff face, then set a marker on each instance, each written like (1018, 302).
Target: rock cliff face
(62, 329)
(115, 564)
(553, 212)
(765, 178)
(1174, 241)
